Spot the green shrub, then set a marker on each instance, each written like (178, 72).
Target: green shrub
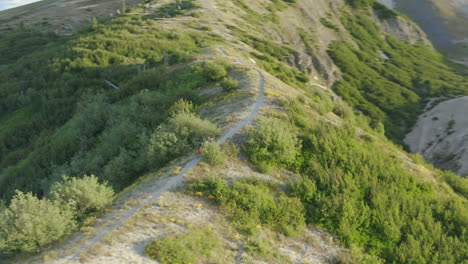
(29, 223)
(213, 154)
(251, 203)
(458, 184)
(181, 134)
(192, 128)
(181, 106)
(272, 143)
(214, 71)
(369, 198)
(197, 246)
(342, 110)
(84, 194)
(230, 149)
(229, 84)
(329, 24)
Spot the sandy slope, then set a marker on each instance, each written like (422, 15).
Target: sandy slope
(441, 135)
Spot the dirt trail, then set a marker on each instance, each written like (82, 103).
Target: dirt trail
(167, 182)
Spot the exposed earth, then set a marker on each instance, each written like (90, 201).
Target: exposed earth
(441, 135)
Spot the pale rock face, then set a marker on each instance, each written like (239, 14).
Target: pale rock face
(441, 135)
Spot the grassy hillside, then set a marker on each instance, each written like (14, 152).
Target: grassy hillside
(310, 161)
(59, 115)
(394, 88)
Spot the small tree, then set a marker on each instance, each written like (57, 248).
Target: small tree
(84, 194)
(29, 223)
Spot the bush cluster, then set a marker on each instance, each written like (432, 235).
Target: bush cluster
(230, 84)
(251, 203)
(29, 223)
(391, 91)
(213, 154)
(63, 113)
(197, 245)
(181, 134)
(272, 143)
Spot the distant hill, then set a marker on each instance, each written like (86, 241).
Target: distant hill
(444, 21)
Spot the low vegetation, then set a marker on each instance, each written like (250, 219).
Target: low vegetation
(364, 194)
(213, 154)
(393, 91)
(65, 120)
(29, 223)
(272, 143)
(200, 245)
(252, 204)
(230, 84)
(85, 195)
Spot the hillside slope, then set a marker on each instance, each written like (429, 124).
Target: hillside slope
(288, 172)
(443, 20)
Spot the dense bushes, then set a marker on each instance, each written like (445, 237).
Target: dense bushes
(251, 203)
(392, 91)
(181, 134)
(85, 194)
(229, 84)
(62, 118)
(272, 143)
(367, 197)
(29, 223)
(356, 187)
(213, 154)
(215, 71)
(196, 246)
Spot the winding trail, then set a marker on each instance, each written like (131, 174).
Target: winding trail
(166, 182)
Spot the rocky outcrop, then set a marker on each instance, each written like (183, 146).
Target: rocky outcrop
(441, 135)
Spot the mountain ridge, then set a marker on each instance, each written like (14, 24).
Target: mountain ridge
(313, 179)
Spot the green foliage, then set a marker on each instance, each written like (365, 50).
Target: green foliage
(272, 143)
(360, 3)
(368, 198)
(229, 84)
(197, 246)
(392, 91)
(458, 184)
(84, 194)
(64, 114)
(213, 154)
(251, 203)
(273, 58)
(230, 149)
(215, 70)
(181, 134)
(327, 23)
(181, 106)
(29, 223)
(176, 9)
(21, 42)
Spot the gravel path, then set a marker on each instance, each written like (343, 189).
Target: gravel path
(167, 183)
